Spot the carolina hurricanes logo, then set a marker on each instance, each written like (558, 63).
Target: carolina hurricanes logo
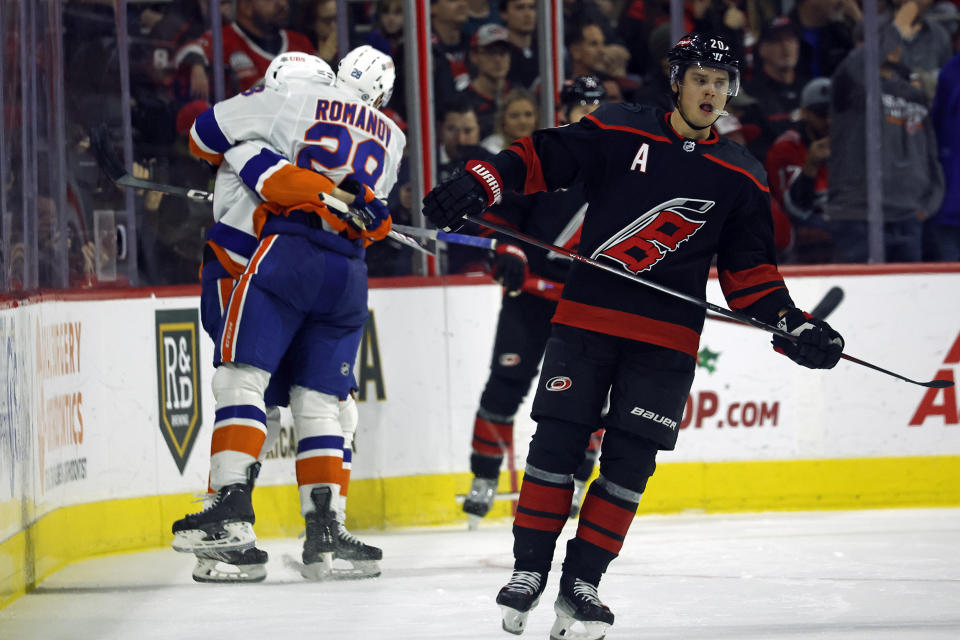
(509, 359)
(645, 241)
(559, 383)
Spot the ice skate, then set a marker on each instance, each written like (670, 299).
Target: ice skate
(248, 565)
(226, 524)
(321, 540)
(479, 500)
(518, 597)
(580, 614)
(363, 559)
(579, 488)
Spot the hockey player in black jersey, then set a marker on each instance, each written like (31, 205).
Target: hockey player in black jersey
(666, 195)
(533, 281)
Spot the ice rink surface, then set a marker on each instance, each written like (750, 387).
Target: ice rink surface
(844, 574)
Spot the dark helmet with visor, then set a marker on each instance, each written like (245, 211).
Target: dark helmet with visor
(704, 51)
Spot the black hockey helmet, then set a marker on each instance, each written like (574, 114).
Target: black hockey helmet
(582, 90)
(704, 50)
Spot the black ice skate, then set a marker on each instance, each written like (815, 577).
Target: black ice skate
(321, 541)
(479, 500)
(363, 559)
(248, 565)
(226, 524)
(518, 597)
(580, 614)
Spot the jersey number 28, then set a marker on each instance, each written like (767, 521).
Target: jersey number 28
(334, 148)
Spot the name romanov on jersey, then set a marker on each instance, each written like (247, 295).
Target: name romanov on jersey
(356, 115)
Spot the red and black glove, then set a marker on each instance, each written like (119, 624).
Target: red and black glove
(510, 267)
(817, 346)
(467, 193)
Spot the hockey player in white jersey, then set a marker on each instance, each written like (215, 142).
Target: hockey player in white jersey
(302, 295)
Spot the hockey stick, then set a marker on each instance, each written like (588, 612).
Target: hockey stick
(452, 238)
(704, 304)
(119, 176)
(830, 301)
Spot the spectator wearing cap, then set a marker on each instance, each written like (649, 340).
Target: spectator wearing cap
(516, 118)
(520, 19)
(942, 231)
(825, 37)
(490, 57)
(912, 185)
(776, 83)
(797, 172)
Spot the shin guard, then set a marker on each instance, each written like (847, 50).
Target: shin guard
(239, 428)
(316, 418)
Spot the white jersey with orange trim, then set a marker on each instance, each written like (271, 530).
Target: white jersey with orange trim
(317, 127)
(335, 138)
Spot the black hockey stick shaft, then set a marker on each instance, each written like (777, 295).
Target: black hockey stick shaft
(830, 301)
(704, 304)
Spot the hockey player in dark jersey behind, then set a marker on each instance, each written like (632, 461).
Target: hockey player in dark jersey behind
(533, 281)
(666, 195)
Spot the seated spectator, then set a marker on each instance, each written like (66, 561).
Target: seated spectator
(942, 231)
(249, 44)
(318, 19)
(656, 89)
(797, 171)
(387, 33)
(516, 118)
(447, 18)
(825, 38)
(776, 83)
(616, 59)
(490, 57)
(479, 13)
(520, 19)
(585, 42)
(912, 179)
(459, 136)
(731, 128)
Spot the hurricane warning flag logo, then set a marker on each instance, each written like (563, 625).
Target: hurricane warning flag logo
(178, 381)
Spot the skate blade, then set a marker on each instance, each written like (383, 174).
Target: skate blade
(209, 570)
(473, 522)
(568, 628)
(239, 537)
(354, 569)
(515, 621)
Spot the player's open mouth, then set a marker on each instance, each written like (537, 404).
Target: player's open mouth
(706, 107)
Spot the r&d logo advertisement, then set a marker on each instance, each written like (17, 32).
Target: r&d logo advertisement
(178, 380)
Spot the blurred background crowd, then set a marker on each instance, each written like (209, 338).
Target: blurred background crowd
(800, 112)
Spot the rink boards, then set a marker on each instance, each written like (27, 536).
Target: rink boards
(106, 414)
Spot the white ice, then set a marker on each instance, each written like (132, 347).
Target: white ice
(859, 574)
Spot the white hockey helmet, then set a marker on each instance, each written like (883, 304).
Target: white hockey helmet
(369, 74)
(294, 66)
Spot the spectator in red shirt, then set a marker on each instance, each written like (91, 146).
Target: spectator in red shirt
(249, 44)
(797, 170)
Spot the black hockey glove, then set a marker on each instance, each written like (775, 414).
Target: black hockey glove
(818, 346)
(467, 193)
(510, 267)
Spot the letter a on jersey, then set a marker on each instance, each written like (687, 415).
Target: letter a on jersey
(646, 240)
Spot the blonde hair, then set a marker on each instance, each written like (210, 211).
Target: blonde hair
(512, 96)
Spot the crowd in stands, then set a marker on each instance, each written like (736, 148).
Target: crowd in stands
(800, 110)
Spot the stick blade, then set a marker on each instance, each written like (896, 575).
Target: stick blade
(939, 384)
(828, 304)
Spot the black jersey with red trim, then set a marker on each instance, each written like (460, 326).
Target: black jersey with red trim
(662, 207)
(551, 216)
